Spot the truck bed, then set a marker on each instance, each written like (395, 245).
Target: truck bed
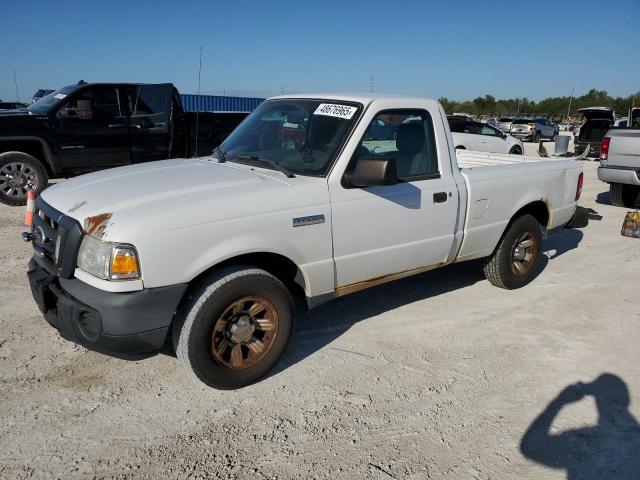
(497, 184)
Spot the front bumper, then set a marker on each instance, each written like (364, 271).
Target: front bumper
(128, 324)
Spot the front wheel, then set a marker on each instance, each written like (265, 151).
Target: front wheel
(233, 327)
(514, 262)
(20, 173)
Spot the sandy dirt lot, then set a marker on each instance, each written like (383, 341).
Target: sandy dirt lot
(440, 376)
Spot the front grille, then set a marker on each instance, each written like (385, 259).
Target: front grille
(50, 227)
(45, 229)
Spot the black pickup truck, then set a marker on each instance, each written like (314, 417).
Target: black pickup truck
(87, 127)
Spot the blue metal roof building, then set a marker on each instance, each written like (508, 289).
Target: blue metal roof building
(215, 103)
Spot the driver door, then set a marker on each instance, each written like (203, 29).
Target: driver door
(93, 129)
(384, 230)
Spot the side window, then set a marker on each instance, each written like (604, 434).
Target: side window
(408, 137)
(150, 106)
(487, 130)
(99, 104)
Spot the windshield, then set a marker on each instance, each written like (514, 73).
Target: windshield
(301, 135)
(505, 119)
(47, 102)
(520, 121)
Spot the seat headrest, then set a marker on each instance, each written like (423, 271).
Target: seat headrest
(410, 138)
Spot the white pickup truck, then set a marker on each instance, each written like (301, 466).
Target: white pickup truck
(208, 254)
(620, 162)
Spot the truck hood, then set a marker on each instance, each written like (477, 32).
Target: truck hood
(121, 203)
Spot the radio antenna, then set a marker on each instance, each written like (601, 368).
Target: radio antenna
(15, 81)
(197, 103)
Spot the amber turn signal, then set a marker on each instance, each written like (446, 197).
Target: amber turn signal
(124, 263)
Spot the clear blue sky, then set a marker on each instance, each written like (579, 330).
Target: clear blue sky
(459, 49)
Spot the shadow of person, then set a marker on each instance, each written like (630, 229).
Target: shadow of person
(609, 450)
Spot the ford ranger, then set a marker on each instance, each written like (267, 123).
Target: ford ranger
(206, 255)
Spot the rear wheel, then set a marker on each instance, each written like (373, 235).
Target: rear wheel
(20, 173)
(622, 195)
(234, 327)
(513, 264)
(515, 150)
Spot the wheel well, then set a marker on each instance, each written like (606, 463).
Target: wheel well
(537, 210)
(29, 147)
(460, 147)
(277, 265)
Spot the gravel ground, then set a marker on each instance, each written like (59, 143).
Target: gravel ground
(437, 376)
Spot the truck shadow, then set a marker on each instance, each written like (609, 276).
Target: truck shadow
(317, 328)
(608, 449)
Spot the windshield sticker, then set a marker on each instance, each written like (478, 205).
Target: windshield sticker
(333, 110)
(60, 96)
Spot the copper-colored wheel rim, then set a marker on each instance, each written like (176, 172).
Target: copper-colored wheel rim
(244, 332)
(524, 253)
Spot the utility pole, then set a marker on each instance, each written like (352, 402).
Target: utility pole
(570, 99)
(372, 83)
(15, 81)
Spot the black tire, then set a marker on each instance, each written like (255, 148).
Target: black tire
(20, 172)
(515, 150)
(536, 137)
(499, 268)
(203, 309)
(622, 195)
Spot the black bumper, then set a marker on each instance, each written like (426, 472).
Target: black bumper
(130, 324)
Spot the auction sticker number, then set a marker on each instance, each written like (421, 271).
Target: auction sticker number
(335, 110)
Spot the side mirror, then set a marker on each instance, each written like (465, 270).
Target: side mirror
(374, 172)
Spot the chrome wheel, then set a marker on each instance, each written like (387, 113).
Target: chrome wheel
(16, 179)
(524, 253)
(244, 333)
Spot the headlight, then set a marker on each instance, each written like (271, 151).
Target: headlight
(109, 261)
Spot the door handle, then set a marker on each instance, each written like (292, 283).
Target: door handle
(440, 197)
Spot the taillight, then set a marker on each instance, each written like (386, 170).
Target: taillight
(579, 188)
(604, 148)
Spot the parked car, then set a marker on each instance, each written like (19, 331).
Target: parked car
(209, 254)
(12, 105)
(41, 93)
(481, 137)
(87, 127)
(504, 124)
(598, 120)
(620, 162)
(621, 122)
(533, 129)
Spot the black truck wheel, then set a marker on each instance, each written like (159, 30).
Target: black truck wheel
(622, 195)
(19, 173)
(513, 264)
(233, 327)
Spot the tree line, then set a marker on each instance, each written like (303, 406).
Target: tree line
(554, 107)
